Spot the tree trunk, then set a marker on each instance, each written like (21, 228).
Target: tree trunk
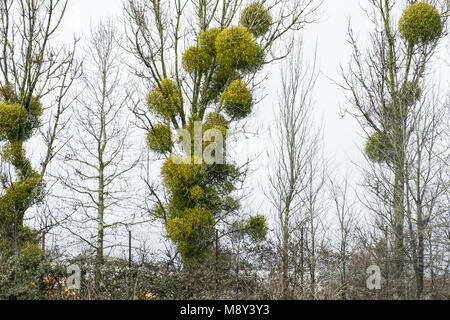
(100, 227)
(420, 254)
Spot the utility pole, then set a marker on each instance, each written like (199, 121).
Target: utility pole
(217, 260)
(129, 248)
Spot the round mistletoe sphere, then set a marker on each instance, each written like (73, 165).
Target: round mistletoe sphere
(196, 58)
(159, 138)
(208, 39)
(236, 48)
(164, 101)
(256, 19)
(237, 100)
(420, 22)
(377, 148)
(215, 119)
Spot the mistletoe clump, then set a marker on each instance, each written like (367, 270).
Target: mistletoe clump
(198, 183)
(18, 197)
(159, 138)
(13, 118)
(378, 148)
(19, 116)
(256, 19)
(215, 119)
(237, 100)
(165, 100)
(236, 48)
(420, 22)
(14, 153)
(208, 39)
(410, 93)
(256, 227)
(220, 79)
(196, 58)
(193, 231)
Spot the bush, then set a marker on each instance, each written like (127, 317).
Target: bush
(256, 19)
(420, 22)
(24, 275)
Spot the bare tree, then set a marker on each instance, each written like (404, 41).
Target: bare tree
(99, 156)
(344, 208)
(297, 181)
(428, 182)
(384, 85)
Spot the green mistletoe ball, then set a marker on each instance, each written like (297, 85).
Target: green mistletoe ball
(13, 117)
(196, 58)
(208, 39)
(378, 148)
(236, 48)
(237, 100)
(165, 101)
(256, 19)
(159, 138)
(420, 22)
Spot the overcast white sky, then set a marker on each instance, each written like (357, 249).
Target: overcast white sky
(342, 137)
